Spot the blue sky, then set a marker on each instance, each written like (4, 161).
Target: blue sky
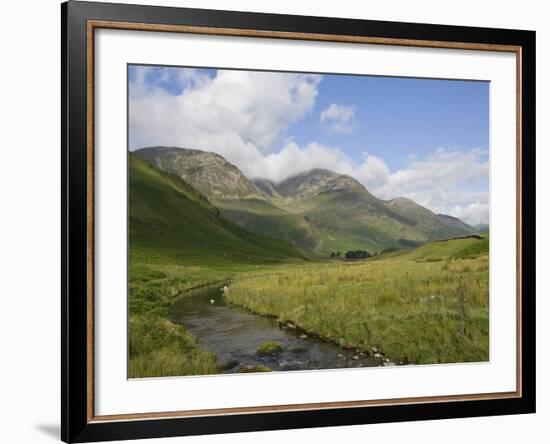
(399, 117)
(426, 139)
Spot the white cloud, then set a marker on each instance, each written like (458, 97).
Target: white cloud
(235, 109)
(476, 213)
(293, 159)
(339, 118)
(447, 181)
(373, 172)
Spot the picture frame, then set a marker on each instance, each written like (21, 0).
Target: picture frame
(79, 180)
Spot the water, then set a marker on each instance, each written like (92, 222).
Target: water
(234, 334)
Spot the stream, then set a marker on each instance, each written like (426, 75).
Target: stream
(234, 335)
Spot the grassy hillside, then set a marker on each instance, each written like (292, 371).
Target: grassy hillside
(168, 217)
(425, 306)
(430, 225)
(262, 217)
(238, 198)
(344, 215)
(352, 219)
(465, 248)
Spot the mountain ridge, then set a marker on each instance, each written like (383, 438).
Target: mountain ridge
(211, 173)
(318, 209)
(169, 217)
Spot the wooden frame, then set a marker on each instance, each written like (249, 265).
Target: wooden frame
(79, 21)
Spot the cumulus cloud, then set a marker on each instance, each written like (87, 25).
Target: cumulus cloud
(476, 213)
(447, 181)
(429, 181)
(373, 172)
(293, 159)
(242, 115)
(339, 118)
(234, 109)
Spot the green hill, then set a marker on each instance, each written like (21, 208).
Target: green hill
(346, 216)
(170, 219)
(459, 248)
(262, 217)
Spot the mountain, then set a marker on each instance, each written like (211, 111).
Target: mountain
(316, 181)
(208, 172)
(237, 197)
(170, 217)
(318, 210)
(345, 214)
(432, 225)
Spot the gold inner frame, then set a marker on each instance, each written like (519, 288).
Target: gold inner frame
(92, 25)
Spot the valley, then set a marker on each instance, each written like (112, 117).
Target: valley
(196, 222)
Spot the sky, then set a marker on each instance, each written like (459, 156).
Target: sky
(425, 139)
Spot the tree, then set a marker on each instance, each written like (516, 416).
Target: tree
(357, 254)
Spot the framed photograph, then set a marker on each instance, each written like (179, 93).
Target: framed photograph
(275, 221)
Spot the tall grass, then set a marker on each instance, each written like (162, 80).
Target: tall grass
(414, 312)
(158, 347)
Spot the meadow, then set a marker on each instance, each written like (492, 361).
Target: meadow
(424, 306)
(427, 306)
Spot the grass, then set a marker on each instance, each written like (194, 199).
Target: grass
(411, 307)
(160, 348)
(260, 216)
(451, 249)
(169, 220)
